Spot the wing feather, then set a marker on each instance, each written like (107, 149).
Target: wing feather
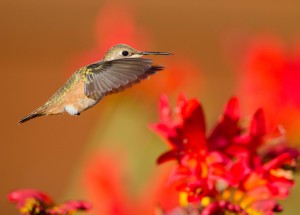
(109, 77)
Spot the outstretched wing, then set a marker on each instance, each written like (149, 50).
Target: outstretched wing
(109, 77)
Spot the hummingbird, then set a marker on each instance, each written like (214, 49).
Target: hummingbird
(120, 68)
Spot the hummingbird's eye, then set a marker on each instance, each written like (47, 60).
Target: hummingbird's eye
(125, 53)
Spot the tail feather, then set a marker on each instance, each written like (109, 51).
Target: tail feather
(44, 110)
(30, 116)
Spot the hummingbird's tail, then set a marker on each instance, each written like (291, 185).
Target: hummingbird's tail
(41, 111)
(30, 116)
(44, 110)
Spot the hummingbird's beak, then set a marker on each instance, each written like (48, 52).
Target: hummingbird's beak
(156, 53)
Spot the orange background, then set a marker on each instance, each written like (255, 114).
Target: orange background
(41, 42)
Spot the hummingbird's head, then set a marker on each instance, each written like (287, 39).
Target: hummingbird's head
(125, 51)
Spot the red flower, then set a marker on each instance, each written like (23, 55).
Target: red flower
(223, 171)
(184, 131)
(33, 202)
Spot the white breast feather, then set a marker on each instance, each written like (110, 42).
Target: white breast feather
(70, 109)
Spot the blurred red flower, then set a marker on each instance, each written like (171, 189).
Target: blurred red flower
(222, 171)
(33, 202)
(106, 186)
(269, 78)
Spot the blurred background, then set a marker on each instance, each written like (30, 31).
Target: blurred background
(107, 155)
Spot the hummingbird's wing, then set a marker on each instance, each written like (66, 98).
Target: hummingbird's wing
(107, 77)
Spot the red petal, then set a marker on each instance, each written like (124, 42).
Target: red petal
(227, 129)
(193, 112)
(165, 114)
(169, 155)
(193, 127)
(232, 109)
(180, 104)
(165, 131)
(258, 124)
(239, 170)
(278, 162)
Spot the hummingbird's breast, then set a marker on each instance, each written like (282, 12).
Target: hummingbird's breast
(76, 101)
(70, 98)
